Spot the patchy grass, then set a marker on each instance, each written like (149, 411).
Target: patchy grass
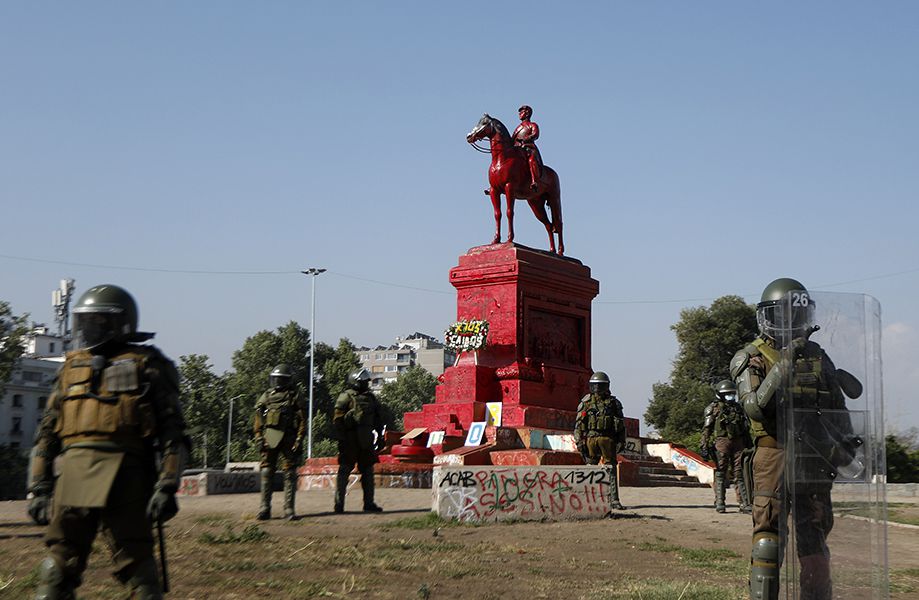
(430, 520)
(252, 533)
(720, 560)
(904, 581)
(657, 589)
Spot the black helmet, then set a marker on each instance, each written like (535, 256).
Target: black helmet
(726, 390)
(783, 317)
(360, 379)
(280, 376)
(104, 312)
(598, 382)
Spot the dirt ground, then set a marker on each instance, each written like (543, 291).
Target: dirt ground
(669, 544)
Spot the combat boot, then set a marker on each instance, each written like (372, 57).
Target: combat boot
(341, 488)
(264, 511)
(368, 489)
(614, 502)
(53, 583)
(145, 582)
(742, 496)
(719, 492)
(290, 492)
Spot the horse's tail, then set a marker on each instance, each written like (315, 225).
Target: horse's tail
(554, 200)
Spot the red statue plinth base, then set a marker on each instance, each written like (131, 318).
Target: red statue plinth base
(536, 360)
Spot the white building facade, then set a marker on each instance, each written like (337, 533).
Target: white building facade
(26, 394)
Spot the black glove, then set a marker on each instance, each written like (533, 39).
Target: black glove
(39, 506)
(297, 448)
(703, 452)
(162, 506)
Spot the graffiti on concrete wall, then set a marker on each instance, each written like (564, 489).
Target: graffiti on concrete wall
(504, 493)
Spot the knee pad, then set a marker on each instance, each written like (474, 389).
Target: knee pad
(53, 582)
(764, 567)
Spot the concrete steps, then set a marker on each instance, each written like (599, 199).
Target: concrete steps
(654, 472)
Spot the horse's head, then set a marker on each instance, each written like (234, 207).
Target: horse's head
(485, 128)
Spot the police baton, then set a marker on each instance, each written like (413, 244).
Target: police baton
(159, 533)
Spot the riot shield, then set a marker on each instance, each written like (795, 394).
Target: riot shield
(830, 424)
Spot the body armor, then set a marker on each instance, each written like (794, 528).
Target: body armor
(104, 401)
(279, 415)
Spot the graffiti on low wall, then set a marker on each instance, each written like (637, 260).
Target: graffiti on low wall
(491, 493)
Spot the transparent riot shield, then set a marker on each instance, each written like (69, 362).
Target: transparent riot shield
(830, 424)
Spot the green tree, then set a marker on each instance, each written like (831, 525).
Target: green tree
(708, 337)
(13, 329)
(902, 459)
(413, 388)
(204, 402)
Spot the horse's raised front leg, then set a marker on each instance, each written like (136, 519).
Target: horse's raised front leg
(509, 197)
(538, 206)
(496, 203)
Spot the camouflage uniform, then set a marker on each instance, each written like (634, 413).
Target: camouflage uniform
(279, 428)
(357, 416)
(726, 423)
(599, 430)
(769, 373)
(108, 417)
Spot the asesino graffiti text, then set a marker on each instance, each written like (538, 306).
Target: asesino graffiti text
(485, 494)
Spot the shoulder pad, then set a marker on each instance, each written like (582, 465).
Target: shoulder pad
(742, 359)
(709, 410)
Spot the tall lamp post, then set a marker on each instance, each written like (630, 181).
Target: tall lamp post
(230, 425)
(312, 272)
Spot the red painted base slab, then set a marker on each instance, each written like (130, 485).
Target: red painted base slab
(528, 456)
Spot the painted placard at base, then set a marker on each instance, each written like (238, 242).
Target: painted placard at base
(490, 493)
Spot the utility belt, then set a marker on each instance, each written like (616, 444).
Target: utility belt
(127, 444)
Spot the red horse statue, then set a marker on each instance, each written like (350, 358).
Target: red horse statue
(509, 174)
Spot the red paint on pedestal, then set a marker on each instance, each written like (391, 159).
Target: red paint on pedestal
(537, 358)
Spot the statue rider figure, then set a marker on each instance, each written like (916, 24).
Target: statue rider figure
(525, 137)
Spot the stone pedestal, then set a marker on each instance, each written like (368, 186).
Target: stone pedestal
(537, 358)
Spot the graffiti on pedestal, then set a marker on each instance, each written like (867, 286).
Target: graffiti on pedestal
(527, 493)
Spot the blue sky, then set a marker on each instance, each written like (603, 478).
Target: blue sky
(703, 150)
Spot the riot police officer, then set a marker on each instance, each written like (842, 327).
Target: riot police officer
(726, 422)
(115, 424)
(779, 372)
(280, 424)
(358, 422)
(599, 429)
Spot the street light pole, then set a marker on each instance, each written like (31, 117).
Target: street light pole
(312, 272)
(230, 426)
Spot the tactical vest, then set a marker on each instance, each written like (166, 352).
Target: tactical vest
(729, 420)
(603, 418)
(279, 409)
(106, 404)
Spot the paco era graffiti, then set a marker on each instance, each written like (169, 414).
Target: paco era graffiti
(465, 336)
(521, 493)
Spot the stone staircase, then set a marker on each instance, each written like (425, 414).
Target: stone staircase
(654, 472)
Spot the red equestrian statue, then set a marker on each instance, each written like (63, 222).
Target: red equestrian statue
(512, 174)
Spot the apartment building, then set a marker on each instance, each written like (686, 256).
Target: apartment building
(386, 363)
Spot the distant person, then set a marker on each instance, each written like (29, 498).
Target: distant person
(358, 420)
(599, 430)
(724, 437)
(525, 137)
(114, 424)
(792, 393)
(280, 424)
